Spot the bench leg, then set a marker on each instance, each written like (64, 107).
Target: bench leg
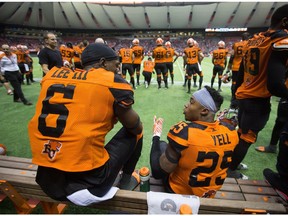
(53, 208)
(22, 205)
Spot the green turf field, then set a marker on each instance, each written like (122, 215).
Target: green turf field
(166, 103)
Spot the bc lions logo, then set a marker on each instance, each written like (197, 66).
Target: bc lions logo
(168, 205)
(51, 148)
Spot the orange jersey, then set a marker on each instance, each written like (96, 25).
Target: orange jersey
(170, 54)
(192, 54)
(206, 150)
(127, 55)
(255, 61)
(239, 50)
(148, 66)
(159, 54)
(220, 57)
(21, 56)
(73, 114)
(67, 53)
(77, 53)
(138, 54)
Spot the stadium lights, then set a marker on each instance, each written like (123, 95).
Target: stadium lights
(225, 29)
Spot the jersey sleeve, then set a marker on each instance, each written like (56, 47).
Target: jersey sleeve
(122, 92)
(178, 136)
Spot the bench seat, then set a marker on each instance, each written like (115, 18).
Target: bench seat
(17, 182)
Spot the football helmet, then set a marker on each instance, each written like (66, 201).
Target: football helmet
(159, 41)
(190, 42)
(135, 41)
(24, 47)
(221, 44)
(13, 48)
(168, 44)
(99, 40)
(19, 46)
(69, 44)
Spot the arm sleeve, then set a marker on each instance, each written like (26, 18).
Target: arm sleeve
(156, 152)
(123, 94)
(43, 57)
(277, 73)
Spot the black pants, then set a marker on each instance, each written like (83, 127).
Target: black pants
(124, 150)
(282, 116)
(147, 76)
(13, 78)
(282, 160)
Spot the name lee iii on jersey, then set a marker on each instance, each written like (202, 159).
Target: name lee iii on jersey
(62, 73)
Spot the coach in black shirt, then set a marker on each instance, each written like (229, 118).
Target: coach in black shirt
(50, 56)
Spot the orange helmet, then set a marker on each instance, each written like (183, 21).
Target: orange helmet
(135, 41)
(221, 44)
(13, 48)
(190, 42)
(159, 41)
(168, 44)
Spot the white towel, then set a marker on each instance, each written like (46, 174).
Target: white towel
(166, 203)
(85, 198)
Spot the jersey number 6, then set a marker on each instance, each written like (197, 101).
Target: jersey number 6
(57, 109)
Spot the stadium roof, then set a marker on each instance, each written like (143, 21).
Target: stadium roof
(137, 16)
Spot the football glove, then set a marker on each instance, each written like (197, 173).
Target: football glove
(226, 78)
(229, 117)
(157, 126)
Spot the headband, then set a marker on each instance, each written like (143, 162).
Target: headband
(205, 99)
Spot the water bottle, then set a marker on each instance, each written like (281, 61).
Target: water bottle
(185, 209)
(144, 179)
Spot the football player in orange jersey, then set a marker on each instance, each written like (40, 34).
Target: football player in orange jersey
(78, 49)
(219, 60)
(74, 161)
(262, 74)
(148, 70)
(199, 149)
(67, 53)
(138, 57)
(159, 54)
(237, 53)
(22, 63)
(192, 56)
(127, 58)
(171, 52)
(29, 61)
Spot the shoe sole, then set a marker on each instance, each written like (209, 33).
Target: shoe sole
(263, 149)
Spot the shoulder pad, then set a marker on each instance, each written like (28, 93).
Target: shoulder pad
(282, 44)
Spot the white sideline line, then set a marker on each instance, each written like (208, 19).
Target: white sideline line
(178, 65)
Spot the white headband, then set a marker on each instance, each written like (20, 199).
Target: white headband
(205, 99)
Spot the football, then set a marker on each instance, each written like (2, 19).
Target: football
(2, 149)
